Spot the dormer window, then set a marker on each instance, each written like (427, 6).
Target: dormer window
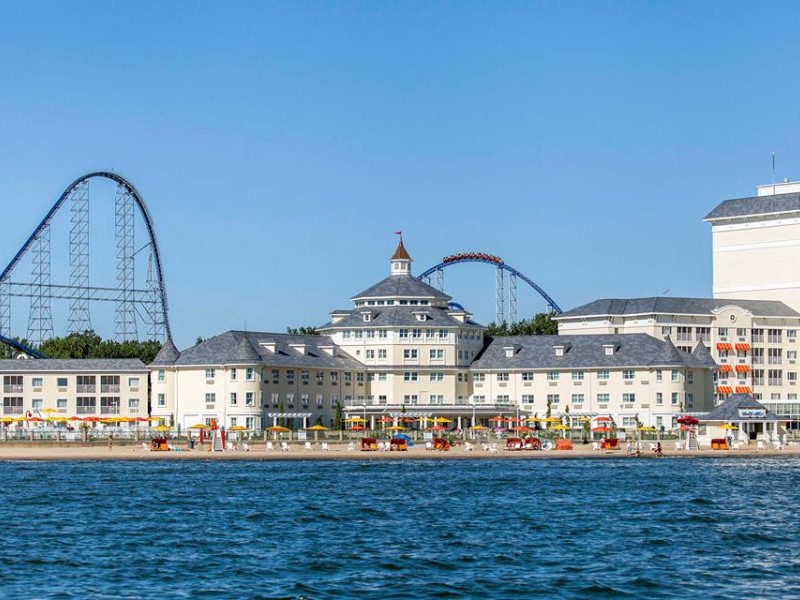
(510, 351)
(421, 316)
(559, 350)
(608, 349)
(367, 317)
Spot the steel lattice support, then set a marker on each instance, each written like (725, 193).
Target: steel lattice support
(5, 310)
(79, 320)
(155, 319)
(440, 279)
(125, 317)
(499, 297)
(40, 320)
(512, 298)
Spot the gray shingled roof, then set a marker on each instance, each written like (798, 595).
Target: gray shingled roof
(84, 365)
(402, 286)
(583, 352)
(167, 355)
(729, 410)
(399, 316)
(755, 205)
(229, 348)
(702, 353)
(675, 306)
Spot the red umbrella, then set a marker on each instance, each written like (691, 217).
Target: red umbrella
(92, 419)
(498, 419)
(34, 420)
(602, 418)
(356, 428)
(514, 420)
(522, 429)
(688, 420)
(73, 418)
(385, 420)
(438, 428)
(601, 429)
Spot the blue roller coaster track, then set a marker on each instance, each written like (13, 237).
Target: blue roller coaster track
(158, 292)
(502, 267)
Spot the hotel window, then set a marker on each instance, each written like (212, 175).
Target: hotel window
(553, 398)
(109, 383)
(479, 377)
(723, 332)
(346, 334)
(758, 376)
(304, 400)
(659, 375)
(674, 398)
(527, 376)
(436, 377)
(410, 399)
(442, 334)
(410, 376)
(758, 336)
(233, 375)
(603, 375)
(109, 405)
(233, 421)
(675, 375)
(370, 354)
(334, 377)
(275, 376)
(320, 401)
(758, 356)
(502, 376)
(628, 374)
(666, 331)
(416, 333)
(348, 378)
(659, 398)
(552, 375)
(774, 356)
(628, 398)
(290, 400)
(211, 398)
(577, 375)
(775, 377)
(741, 332)
(381, 376)
(577, 398)
(689, 376)
(527, 398)
(162, 376)
(436, 399)
(382, 399)
(404, 334)
(629, 421)
(603, 398)
(133, 405)
(248, 374)
(502, 399)
(61, 404)
(703, 334)
(774, 336)
(86, 405)
(305, 376)
(430, 334)
(684, 334)
(162, 400)
(36, 382)
(290, 376)
(478, 399)
(437, 354)
(689, 400)
(791, 334)
(276, 398)
(12, 406)
(370, 333)
(133, 382)
(381, 353)
(37, 403)
(382, 333)
(357, 334)
(410, 354)
(233, 399)
(62, 382)
(791, 355)
(370, 376)
(320, 377)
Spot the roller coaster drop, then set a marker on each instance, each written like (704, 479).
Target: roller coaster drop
(502, 314)
(148, 303)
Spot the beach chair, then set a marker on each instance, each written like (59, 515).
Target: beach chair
(493, 448)
(230, 447)
(595, 445)
(778, 446)
(428, 445)
(678, 446)
(735, 446)
(325, 447)
(308, 446)
(145, 447)
(284, 447)
(246, 447)
(468, 447)
(652, 447)
(270, 446)
(760, 445)
(351, 447)
(485, 447)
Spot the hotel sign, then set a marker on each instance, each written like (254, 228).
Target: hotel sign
(752, 413)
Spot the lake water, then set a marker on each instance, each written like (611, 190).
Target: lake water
(449, 529)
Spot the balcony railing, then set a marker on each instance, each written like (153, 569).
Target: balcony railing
(109, 410)
(87, 410)
(84, 388)
(12, 410)
(11, 389)
(110, 387)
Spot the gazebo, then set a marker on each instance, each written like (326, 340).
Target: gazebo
(744, 419)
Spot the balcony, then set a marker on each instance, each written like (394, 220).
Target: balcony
(109, 410)
(87, 388)
(86, 410)
(109, 388)
(12, 389)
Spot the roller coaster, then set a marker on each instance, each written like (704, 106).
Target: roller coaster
(505, 276)
(137, 304)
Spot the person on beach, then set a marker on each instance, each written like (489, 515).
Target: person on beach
(110, 440)
(658, 449)
(629, 447)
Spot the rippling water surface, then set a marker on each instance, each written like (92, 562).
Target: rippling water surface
(450, 529)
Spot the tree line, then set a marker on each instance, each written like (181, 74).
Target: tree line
(89, 345)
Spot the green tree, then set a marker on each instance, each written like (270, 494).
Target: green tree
(338, 419)
(7, 352)
(539, 324)
(305, 330)
(90, 345)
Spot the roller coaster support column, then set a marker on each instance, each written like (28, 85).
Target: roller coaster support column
(125, 318)
(440, 279)
(5, 310)
(40, 320)
(79, 320)
(499, 297)
(512, 298)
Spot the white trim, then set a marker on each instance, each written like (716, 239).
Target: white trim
(756, 288)
(754, 224)
(756, 245)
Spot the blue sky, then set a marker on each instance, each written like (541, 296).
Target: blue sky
(279, 145)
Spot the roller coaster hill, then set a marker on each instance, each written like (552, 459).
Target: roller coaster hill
(137, 293)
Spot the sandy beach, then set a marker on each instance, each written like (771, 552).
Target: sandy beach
(62, 452)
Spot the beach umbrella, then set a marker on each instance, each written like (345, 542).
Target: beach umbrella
(278, 429)
(497, 419)
(603, 419)
(49, 410)
(355, 420)
(521, 429)
(442, 420)
(59, 419)
(396, 428)
(688, 420)
(237, 428)
(479, 428)
(7, 420)
(356, 428)
(559, 427)
(552, 420)
(386, 420)
(438, 428)
(161, 428)
(316, 429)
(601, 429)
(730, 427)
(74, 418)
(514, 420)
(534, 419)
(198, 426)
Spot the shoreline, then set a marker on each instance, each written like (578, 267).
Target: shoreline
(33, 452)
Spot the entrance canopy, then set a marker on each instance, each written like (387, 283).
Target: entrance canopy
(740, 408)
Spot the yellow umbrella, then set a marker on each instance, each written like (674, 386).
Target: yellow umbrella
(552, 420)
(534, 419)
(559, 427)
(647, 428)
(479, 428)
(355, 420)
(442, 420)
(278, 429)
(318, 428)
(161, 428)
(59, 419)
(728, 426)
(237, 428)
(396, 428)
(49, 410)
(198, 426)
(7, 420)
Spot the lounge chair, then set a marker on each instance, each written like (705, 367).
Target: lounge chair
(325, 447)
(246, 447)
(308, 446)
(760, 445)
(230, 447)
(735, 446)
(678, 446)
(778, 446)
(351, 447)
(428, 445)
(284, 447)
(270, 446)
(485, 447)
(468, 447)
(493, 448)
(145, 447)
(595, 445)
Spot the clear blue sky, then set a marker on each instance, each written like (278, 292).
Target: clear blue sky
(279, 145)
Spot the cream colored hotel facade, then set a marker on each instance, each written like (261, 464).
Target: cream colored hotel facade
(401, 349)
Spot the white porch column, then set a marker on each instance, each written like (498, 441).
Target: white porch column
(459, 422)
(305, 422)
(372, 422)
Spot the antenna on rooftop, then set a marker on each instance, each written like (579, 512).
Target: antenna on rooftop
(773, 167)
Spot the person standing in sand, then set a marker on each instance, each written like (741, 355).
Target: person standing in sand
(110, 440)
(628, 446)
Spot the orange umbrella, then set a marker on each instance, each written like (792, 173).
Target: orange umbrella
(498, 419)
(522, 429)
(356, 428)
(386, 420)
(34, 420)
(601, 429)
(514, 420)
(438, 428)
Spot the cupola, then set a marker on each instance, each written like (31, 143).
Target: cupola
(400, 263)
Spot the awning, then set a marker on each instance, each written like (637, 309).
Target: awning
(724, 346)
(724, 389)
(743, 389)
(742, 368)
(726, 368)
(742, 347)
